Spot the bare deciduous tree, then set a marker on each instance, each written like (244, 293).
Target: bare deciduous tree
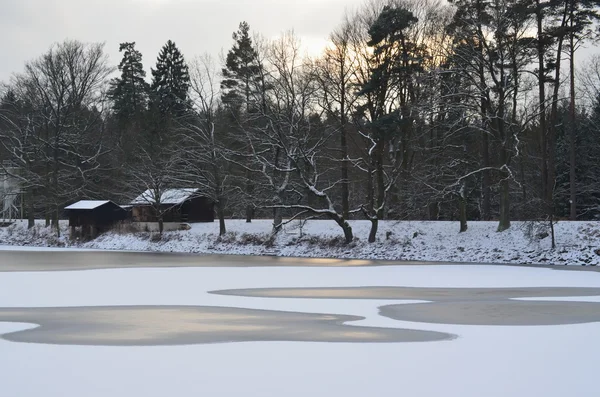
(202, 153)
(64, 92)
(286, 147)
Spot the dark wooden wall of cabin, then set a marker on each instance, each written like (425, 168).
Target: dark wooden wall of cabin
(198, 209)
(103, 216)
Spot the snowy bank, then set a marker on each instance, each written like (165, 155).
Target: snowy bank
(523, 243)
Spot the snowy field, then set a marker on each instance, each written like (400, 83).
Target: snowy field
(523, 243)
(558, 360)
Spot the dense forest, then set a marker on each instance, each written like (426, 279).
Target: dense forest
(417, 109)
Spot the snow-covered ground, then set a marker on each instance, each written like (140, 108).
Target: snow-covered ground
(523, 243)
(491, 361)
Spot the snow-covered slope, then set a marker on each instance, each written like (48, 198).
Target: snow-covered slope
(523, 243)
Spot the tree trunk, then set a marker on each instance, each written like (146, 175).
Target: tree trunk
(370, 187)
(30, 211)
(370, 198)
(572, 174)
(572, 125)
(542, 100)
(433, 211)
(30, 220)
(161, 226)
(249, 192)
(373, 232)
(344, 154)
(249, 213)
(505, 135)
(552, 232)
(55, 221)
(345, 181)
(551, 141)
(485, 154)
(221, 216)
(55, 172)
(221, 201)
(348, 236)
(380, 173)
(277, 220)
(376, 204)
(486, 181)
(504, 223)
(462, 208)
(463, 215)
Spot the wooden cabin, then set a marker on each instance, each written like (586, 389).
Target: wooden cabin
(175, 205)
(93, 217)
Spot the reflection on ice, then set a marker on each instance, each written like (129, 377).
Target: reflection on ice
(182, 325)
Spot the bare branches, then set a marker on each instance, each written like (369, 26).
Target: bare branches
(55, 132)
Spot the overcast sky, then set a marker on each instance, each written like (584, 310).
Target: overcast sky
(29, 27)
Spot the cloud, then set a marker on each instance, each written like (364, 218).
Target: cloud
(30, 27)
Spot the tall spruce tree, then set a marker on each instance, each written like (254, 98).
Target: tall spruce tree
(129, 92)
(170, 82)
(243, 89)
(242, 72)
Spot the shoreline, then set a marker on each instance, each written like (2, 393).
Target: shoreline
(400, 241)
(9, 253)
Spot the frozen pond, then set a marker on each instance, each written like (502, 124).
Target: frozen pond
(157, 324)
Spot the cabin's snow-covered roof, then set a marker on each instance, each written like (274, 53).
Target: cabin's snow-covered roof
(169, 196)
(86, 204)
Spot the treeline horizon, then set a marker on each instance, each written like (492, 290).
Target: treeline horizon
(417, 109)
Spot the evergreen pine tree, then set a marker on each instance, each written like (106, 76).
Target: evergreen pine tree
(130, 92)
(242, 72)
(170, 82)
(243, 88)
